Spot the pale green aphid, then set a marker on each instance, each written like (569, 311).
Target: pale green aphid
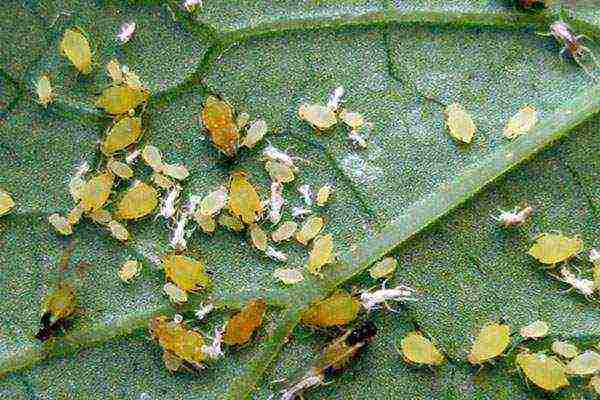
(547, 372)
(285, 231)
(242, 120)
(279, 171)
(490, 343)
(175, 294)
(75, 46)
(323, 195)
(419, 350)
(113, 69)
(118, 231)
(120, 169)
(60, 224)
(288, 276)
(206, 223)
(383, 268)
(321, 254)
(129, 270)
(231, 222)
(256, 131)
(258, 237)
(352, 119)
(137, 202)
(162, 181)
(152, 156)
(564, 349)
(100, 216)
(521, 123)
(75, 214)
(320, 117)
(310, 229)
(535, 330)
(213, 203)
(117, 100)
(176, 171)
(552, 248)
(460, 124)
(587, 363)
(96, 191)
(43, 89)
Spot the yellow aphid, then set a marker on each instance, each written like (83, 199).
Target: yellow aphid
(162, 181)
(75, 214)
(288, 276)
(118, 231)
(490, 343)
(321, 254)
(587, 363)
(545, 371)
(255, 133)
(6, 203)
(186, 272)
(258, 237)
(535, 330)
(176, 171)
(310, 229)
(352, 119)
(60, 224)
(117, 100)
(213, 203)
(231, 222)
(132, 80)
(521, 123)
(207, 224)
(75, 46)
(241, 326)
(460, 124)
(217, 117)
(595, 384)
(43, 89)
(383, 268)
(338, 309)
(96, 191)
(152, 156)
(552, 248)
(178, 340)
(285, 231)
(279, 171)
(137, 202)
(129, 270)
(56, 306)
(418, 349)
(100, 216)
(564, 349)
(175, 294)
(113, 69)
(243, 199)
(120, 169)
(323, 195)
(122, 134)
(320, 117)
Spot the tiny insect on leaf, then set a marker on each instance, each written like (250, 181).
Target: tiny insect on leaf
(153, 157)
(320, 117)
(176, 171)
(255, 133)
(207, 224)
(564, 349)
(122, 134)
(100, 216)
(383, 268)
(586, 363)
(321, 254)
(217, 116)
(213, 203)
(323, 195)
(547, 372)
(113, 69)
(535, 330)
(75, 46)
(162, 181)
(175, 294)
(6, 203)
(419, 350)
(177, 339)
(75, 214)
(120, 169)
(96, 191)
(129, 270)
(259, 237)
(279, 171)
(311, 228)
(338, 309)
(521, 123)
(243, 199)
(552, 248)
(43, 89)
(60, 224)
(186, 272)
(285, 231)
(241, 326)
(231, 222)
(492, 340)
(460, 124)
(56, 306)
(137, 202)
(117, 100)
(118, 231)
(288, 276)
(595, 384)
(352, 119)
(242, 120)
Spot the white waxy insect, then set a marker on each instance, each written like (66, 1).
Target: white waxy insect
(323, 195)
(276, 202)
(298, 212)
(191, 5)
(288, 276)
(521, 123)
(129, 270)
(175, 294)
(584, 286)
(242, 120)
(354, 120)
(587, 363)
(213, 203)
(383, 268)
(276, 254)
(77, 182)
(373, 301)
(152, 156)
(535, 330)
(460, 124)
(126, 32)
(307, 194)
(203, 310)
(176, 171)
(177, 240)
(514, 217)
(177, 319)
(564, 349)
(120, 169)
(44, 92)
(335, 98)
(113, 69)
(255, 133)
(284, 232)
(214, 350)
(272, 153)
(357, 139)
(118, 231)
(594, 257)
(133, 156)
(167, 208)
(60, 224)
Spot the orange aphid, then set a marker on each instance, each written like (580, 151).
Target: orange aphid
(175, 338)
(217, 117)
(242, 325)
(339, 309)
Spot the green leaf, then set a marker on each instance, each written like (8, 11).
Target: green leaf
(414, 192)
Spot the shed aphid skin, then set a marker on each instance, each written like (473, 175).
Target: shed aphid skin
(586, 363)
(243, 199)
(168, 205)
(76, 47)
(122, 134)
(56, 307)
(118, 231)
(284, 232)
(332, 359)
(573, 45)
(417, 349)
(129, 270)
(191, 5)
(178, 241)
(321, 254)
(515, 217)
(335, 98)
(299, 212)
(535, 330)
(584, 286)
(310, 229)
(552, 248)
(358, 137)
(521, 123)
(383, 268)
(255, 133)
(203, 310)
(491, 342)
(176, 171)
(338, 309)
(217, 117)
(6, 202)
(276, 202)
(274, 154)
(307, 194)
(175, 294)
(77, 181)
(214, 350)
(373, 300)
(132, 157)
(126, 32)
(241, 326)
(60, 224)
(323, 195)
(564, 349)
(120, 169)
(242, 120)
(594, 257)
(139, 201)
(459, 122)
(288, 276)
(214, 202)
(275, 254)
(113, 69)
(43, 89)
(544, 371)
